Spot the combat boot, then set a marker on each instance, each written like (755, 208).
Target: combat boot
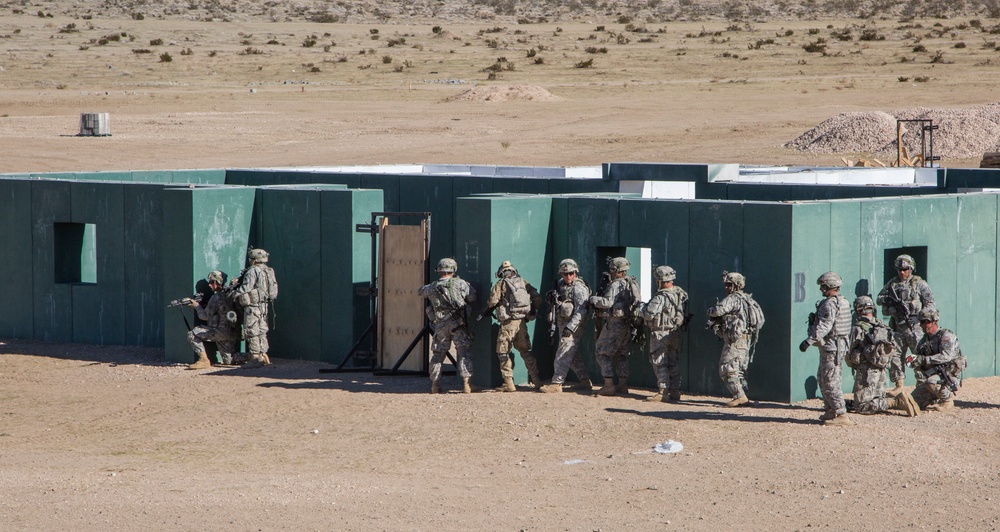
(942, 406)
(897, 390)
(608, 388)
(660, 397)
(435, 387)
(468, 387)
(507, 386)
(674, 397)
(737, 401)
(201, 363)
(555, 387)
(905, 403)
(584, 384)
(827, 416)
(622, 386)
(532, 367)
(840, 421)
(256, 361)
(267, 359)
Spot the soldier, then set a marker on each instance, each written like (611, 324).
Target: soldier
(902, 299)
(256, 290)
(220, 324)
(612, 344)
(829, 328)
(731, 319)
(448, 312)
(516, 303)
(871, 349)
(666, 316)
(567, 312)
(940, 359)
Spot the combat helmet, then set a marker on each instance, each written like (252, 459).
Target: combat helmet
(830, 280)
(447, 266)
(257, 255)
(905, 262)
(618, 264)
(734, 278)
(929, 314)
(217, 276)
(863, 304)
(663, 274)
(568, 266)
(506, 266)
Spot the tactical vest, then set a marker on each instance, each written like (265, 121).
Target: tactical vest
(516, 301)
(842, 324)
(671, 314)
(266, 289)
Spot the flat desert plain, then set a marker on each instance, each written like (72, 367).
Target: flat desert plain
(114, 438)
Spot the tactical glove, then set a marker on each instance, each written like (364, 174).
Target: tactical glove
(804, 346)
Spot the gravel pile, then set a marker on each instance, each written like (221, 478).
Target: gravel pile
(961, 133)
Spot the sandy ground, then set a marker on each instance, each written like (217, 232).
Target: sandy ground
(98, 438)
(106, 438)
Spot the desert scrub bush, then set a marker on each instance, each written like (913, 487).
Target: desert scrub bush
(213, 53)
(842, 35)
(492, 43)
(309, 41)
(759, 44)
(436, 30)
(813, 31)
(588, 63)
(919, 49)
(325, 18)
(386, 59)
(818, 46)
(156, 42)
(922, 79)
(140, 51)
(647, 40)
(938, 57)
(596, 50)
(959, 44)
(871, 35)
(187, 51)
(396, 42)
(138, 16)
(532, 53)
(250, 50)
(69, 28)
(539, 60)
(273, 42)
(623, 19)
(165, 57)
(496, 29)
(903, 79)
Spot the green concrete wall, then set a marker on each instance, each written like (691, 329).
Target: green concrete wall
(208, 229)
(17, 300)
(319, 261)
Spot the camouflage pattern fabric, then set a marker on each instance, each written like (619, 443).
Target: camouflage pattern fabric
(255, 314)
(916, 295)
(830, 377)
(663, 315)
(612, 348)
(869, 381)
(940, 348)
(571, 314)
(446, 334)
(735, 353)
(216, 328)
(450, 298)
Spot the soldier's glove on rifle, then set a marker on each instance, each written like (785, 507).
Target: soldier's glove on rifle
(483, 314)
(567, 332)
(804, 346)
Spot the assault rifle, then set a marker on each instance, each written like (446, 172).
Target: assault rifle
(600, 315)
(185, 301)
(942, 370)
(552, 300)
(895, 302)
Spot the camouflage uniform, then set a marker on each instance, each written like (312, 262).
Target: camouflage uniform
(448, 312)
(253, 294)
(937, 353)
(915, 295)
(516, 303)
(869, 377)
(571, 312)
(217, 328)
(664, 314)
(830, 332)
(612, 344)
(730, 315)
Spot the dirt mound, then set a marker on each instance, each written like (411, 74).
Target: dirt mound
(961, 133)
(509, 93)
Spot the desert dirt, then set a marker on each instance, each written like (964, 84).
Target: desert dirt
(102, 438)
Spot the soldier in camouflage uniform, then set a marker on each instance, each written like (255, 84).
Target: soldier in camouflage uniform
(218, 327)
(665, 314)
(255, 292)
(448, 312)
(516, 303)
(871, 348)
(612, 345)
(728, 318)
(567, 312)
(940, 359)
(829, 329)
(902, 299)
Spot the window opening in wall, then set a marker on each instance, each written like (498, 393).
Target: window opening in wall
(75, 252)
(919, 254)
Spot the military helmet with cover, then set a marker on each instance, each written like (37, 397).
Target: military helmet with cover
(618, 264)
(447, 266)
(664, 274)
(217, 276)
(929, 314)
(830, 280)
(905, 262)
(863, 304)
(568, 266)
(506, 266)
(734, 278)
(257, 255)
